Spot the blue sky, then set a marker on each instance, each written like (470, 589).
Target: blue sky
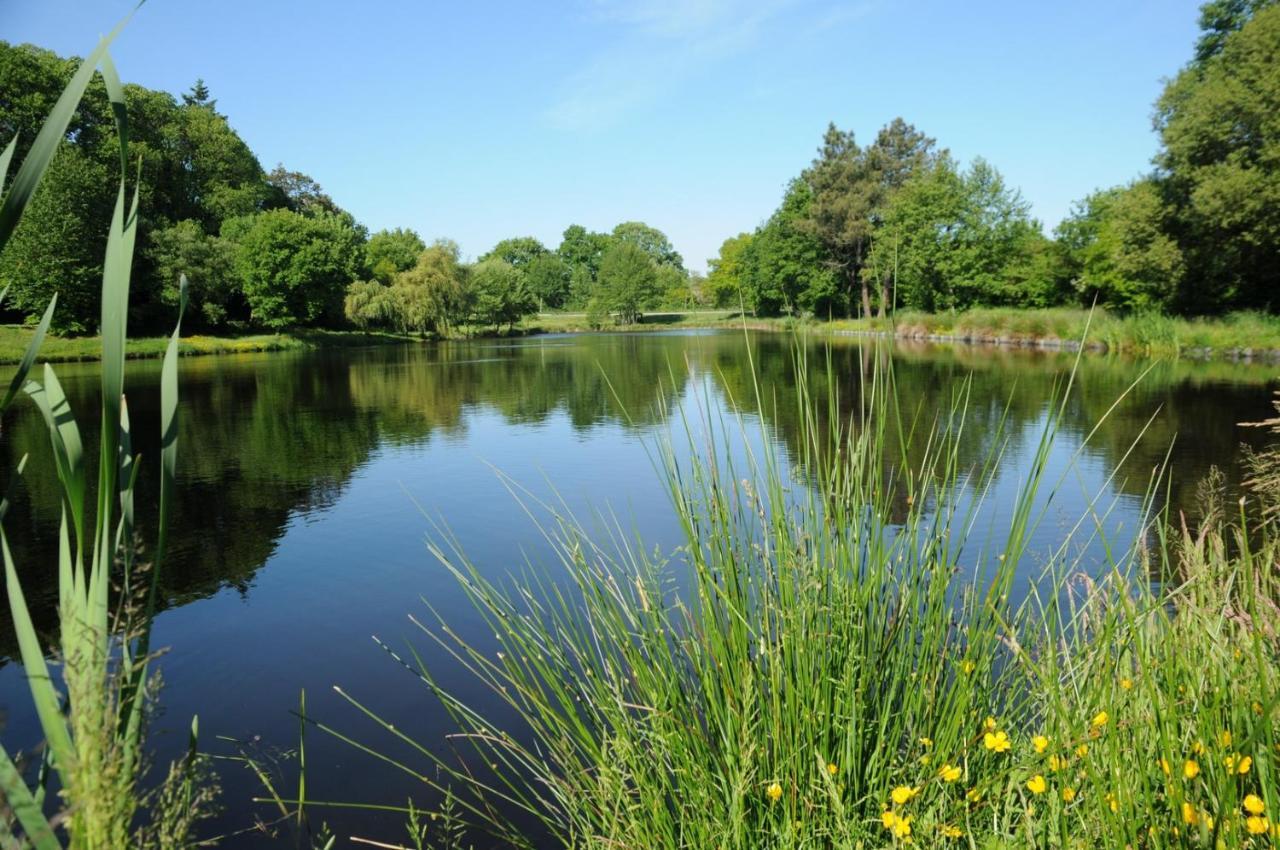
(480, 120)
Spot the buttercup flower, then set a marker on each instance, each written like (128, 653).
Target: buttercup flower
(949, 773)
(989, 724)
(1189, 816)
(949, 831)
(1082, 751)
(1040, 742)
(1037, 785)
(997, 742)
(903, 794)
(1190, 769)
(1244, 765)
(831, 769)
(774, 792)
(1127, 684)
(1099, 720)
(1253, 804)
(1257, 825)
(1068, 794)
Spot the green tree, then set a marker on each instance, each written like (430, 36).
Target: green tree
(59, 243)
(1219, 165)
(845, 191)
(518, 252)
(433, 295)
(627, 281)
(725, 275)
(370, 304)
(390, 252)
(651, 240)
(209, 262)
(548, 278)
(1118, 251)
(581, 250)
(295, 268)
(299, 192)
(785, 266)
(497, 293)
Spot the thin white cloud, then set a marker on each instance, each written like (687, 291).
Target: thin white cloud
(660, 44)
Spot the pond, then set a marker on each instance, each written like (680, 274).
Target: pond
(310, 483)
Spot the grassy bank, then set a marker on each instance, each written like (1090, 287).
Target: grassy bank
(1233, 335)
(844, 665)
(652, 321)
(14, 339)
(1236, 335)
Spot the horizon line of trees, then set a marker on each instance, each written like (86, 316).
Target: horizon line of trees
(271, 250)
(899, 223)
(865, 229)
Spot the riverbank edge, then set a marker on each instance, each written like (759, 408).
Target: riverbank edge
(915, 332)
(87, 349)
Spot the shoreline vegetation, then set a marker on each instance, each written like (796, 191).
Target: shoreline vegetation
(1236, 337)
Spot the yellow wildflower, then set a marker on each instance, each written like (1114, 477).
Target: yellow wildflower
(888, 817)
(949, 831)
(968, 666)
(949, 773)
(1253, 804)
(1040, 742)
(1164, 765)
(1225, 738)
(925, 759)
(1244, 765)
(1056, 762)
(926, 742)
(1112, 803)
(997, 742)
(831, 769)
(1127, 684)
(1082, 751)
(774, 792)
(1190, 769)
(1198, 748)
(1036, 784)
(904, 794)
(1068, 794)
(1100, 719)
(973, 795)
(1189, 816)
(1257, 825)
(989, 724)
(902, 829)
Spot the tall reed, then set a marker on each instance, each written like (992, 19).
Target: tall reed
(94, 723)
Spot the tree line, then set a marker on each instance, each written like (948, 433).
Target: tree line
(899, 223)
(865, 229)
(270, 249)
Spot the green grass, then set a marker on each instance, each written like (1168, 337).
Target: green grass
(14, 340)
(1146, 334)
(653, 320)
(812, 668)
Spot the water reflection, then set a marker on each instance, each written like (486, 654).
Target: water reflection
(301, 477)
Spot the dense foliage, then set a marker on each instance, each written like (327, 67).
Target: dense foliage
(899, 223)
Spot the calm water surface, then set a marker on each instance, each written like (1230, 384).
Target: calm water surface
(309, 483)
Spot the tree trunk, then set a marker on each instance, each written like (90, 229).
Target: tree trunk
(884, 296)
(866, 300)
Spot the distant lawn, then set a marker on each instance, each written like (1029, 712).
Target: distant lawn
(14, 339)
(1136, 334)
(1147, 335)
(571, 322)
